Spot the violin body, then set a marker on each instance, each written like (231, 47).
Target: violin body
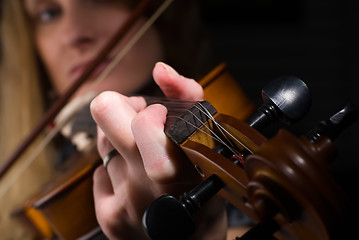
(64, 208)
(69, 207)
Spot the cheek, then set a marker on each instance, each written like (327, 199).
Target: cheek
(135, 69)
(108, 22)
(46, 47)
(46, 44)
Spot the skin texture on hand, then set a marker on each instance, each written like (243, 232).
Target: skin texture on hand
(149, 164)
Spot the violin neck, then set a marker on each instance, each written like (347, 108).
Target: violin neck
(183, 117)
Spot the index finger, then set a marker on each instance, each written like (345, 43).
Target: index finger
(175, 85)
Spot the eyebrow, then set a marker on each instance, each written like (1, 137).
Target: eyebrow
(31, 4)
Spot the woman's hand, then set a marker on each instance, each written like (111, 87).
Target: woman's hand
(148, 164)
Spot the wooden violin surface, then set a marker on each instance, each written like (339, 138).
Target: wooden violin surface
(290, 183)
(219, 83)
(64, 207)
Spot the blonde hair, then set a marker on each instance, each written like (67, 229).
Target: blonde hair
(21, 106)
(18, 112)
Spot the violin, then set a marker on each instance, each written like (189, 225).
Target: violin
(248, 179)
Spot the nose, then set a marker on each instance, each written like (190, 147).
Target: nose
(78, 31)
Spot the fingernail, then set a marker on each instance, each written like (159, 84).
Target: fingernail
(168, 68)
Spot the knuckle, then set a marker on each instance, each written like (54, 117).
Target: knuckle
(104, 101)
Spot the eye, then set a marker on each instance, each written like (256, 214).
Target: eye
(47, 14)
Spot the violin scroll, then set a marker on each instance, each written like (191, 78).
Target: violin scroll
(290, 180)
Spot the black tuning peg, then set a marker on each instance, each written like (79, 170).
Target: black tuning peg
(169, 218)
(336, 123)
(286, 98)
(262, 231)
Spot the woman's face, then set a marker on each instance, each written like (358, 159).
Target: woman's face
(70, 33)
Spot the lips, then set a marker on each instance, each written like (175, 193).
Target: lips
(77, 71)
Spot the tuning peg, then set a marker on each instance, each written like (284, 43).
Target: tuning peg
(335, 124)
(286, 98)
(169, 218)
(262, 231)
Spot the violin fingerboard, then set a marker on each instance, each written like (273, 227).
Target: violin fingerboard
(183, 126)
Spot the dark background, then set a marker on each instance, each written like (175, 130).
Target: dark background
(315, 40)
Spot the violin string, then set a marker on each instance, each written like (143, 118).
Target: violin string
(209, 116)
(225, 141)
(219, 127)
(170, 103)
(177, 107)
(212, 134)
(185, 106)
(224, 131)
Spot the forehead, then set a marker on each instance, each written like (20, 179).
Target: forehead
(29, 4)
